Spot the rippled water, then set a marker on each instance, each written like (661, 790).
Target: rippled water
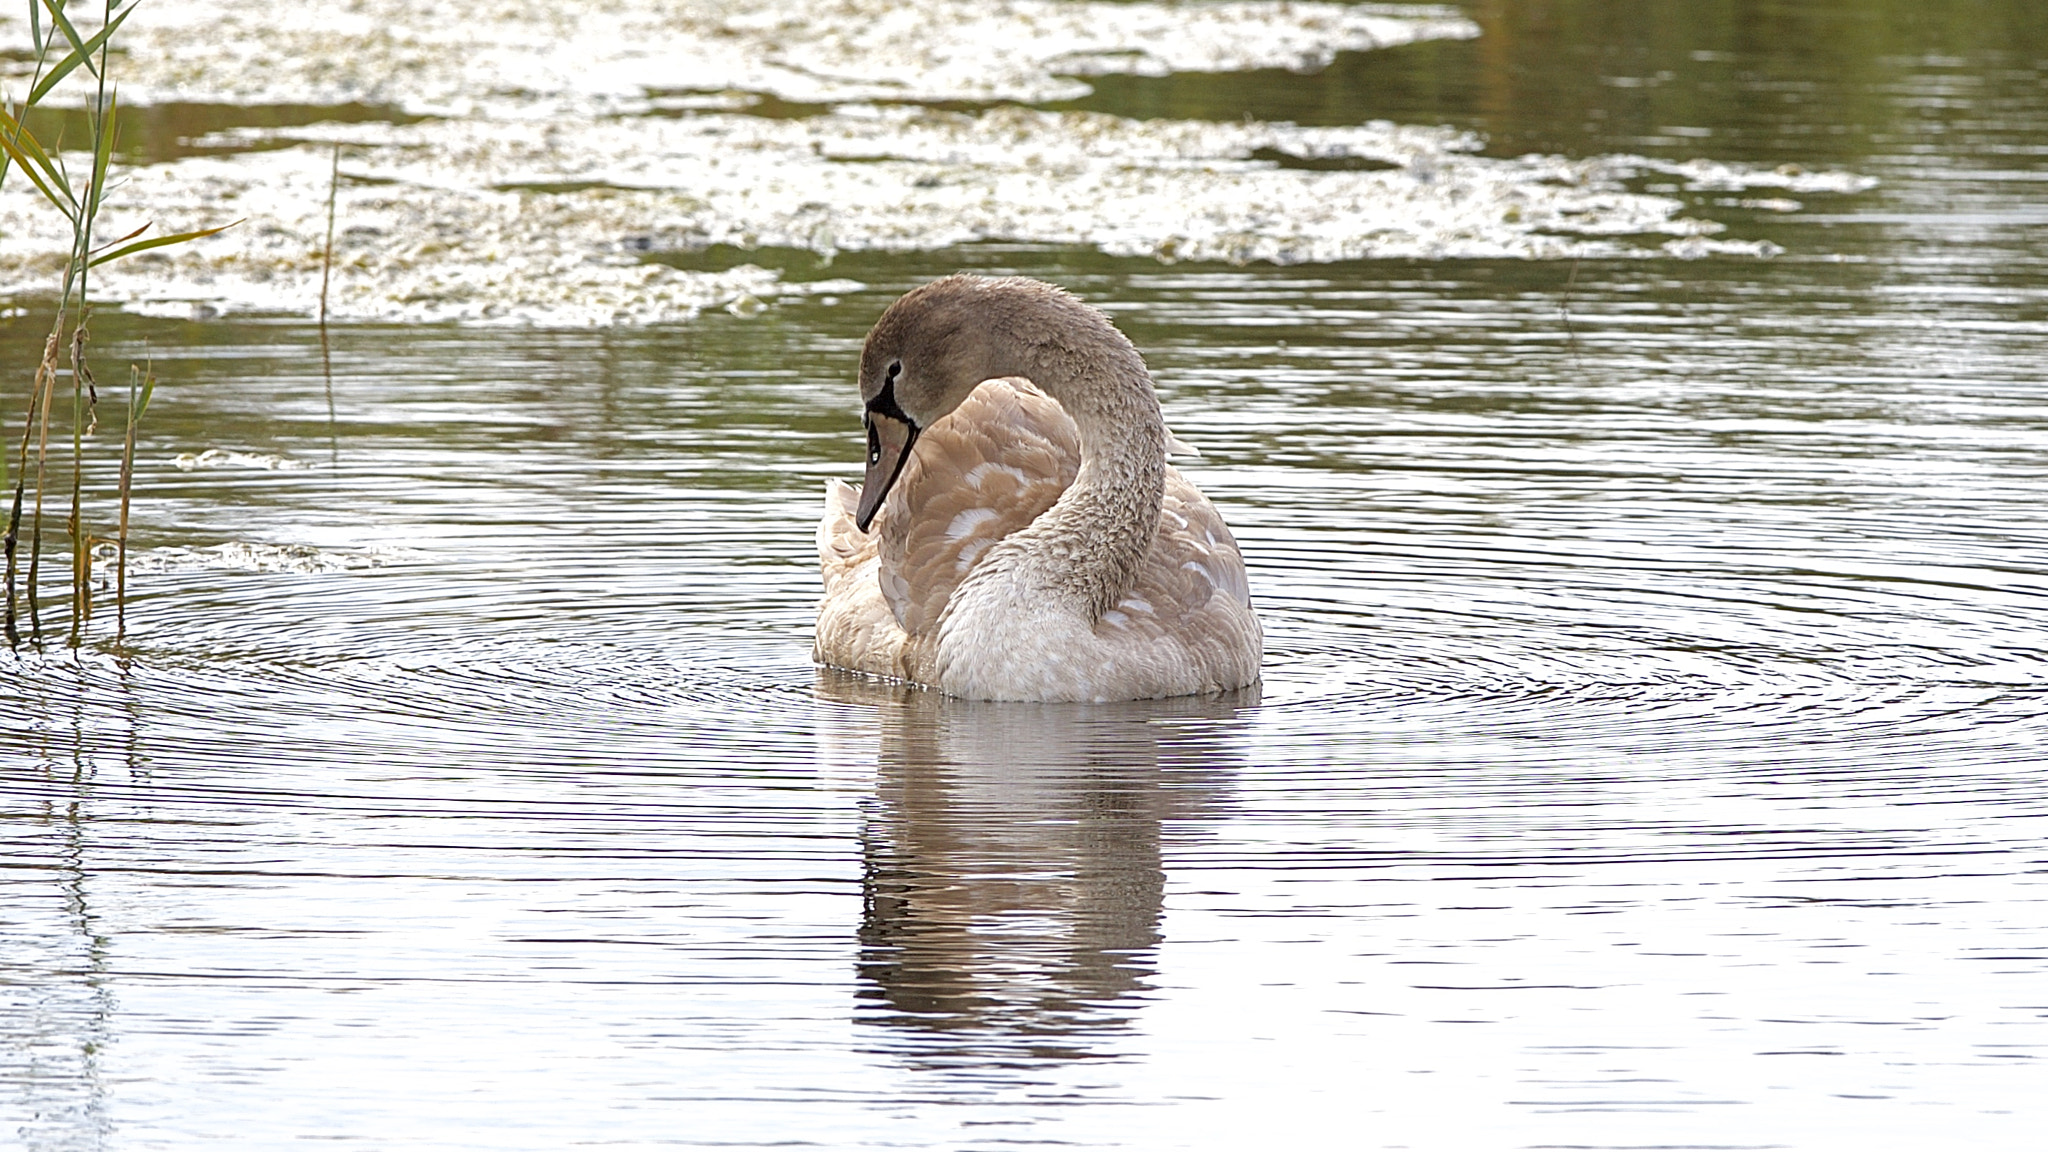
(1651, 751)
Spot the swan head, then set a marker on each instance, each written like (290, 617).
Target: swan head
(926, 355)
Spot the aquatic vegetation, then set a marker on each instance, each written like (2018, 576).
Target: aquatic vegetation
(492, 221)
(79, 204)
(584, 59)
(566, 164)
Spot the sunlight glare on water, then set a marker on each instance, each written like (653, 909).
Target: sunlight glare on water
(1650, 752)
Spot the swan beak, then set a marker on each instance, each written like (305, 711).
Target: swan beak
(889, 441)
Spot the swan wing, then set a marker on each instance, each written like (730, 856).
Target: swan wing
(1191, 586)
(990, 467)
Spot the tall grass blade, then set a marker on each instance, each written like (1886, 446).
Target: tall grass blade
(20, 146)
(30, 149)
(7, 158)
(157, 242)
(104, 128)
(124, 239)
(148, 390)
(81, 51)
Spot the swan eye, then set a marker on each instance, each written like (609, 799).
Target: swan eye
(895, 370)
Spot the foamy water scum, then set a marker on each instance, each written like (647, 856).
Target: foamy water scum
(563, 149)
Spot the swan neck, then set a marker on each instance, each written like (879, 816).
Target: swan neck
(1093, 539)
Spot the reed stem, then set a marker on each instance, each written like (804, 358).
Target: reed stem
(140, 384)
(326, 356)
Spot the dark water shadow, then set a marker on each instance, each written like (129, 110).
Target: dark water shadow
(174, 130)
(1012, 879)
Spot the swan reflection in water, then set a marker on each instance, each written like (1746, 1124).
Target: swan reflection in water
(1012, 873)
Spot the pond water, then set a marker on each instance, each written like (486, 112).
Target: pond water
(1653, 745)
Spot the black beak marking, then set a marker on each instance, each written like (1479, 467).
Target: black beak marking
(884, 403)
(888, 451)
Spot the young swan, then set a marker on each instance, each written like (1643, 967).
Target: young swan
(1029, 540)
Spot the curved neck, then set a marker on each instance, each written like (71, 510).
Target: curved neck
(1089, 544)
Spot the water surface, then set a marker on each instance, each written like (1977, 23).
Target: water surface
(1650, 752)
